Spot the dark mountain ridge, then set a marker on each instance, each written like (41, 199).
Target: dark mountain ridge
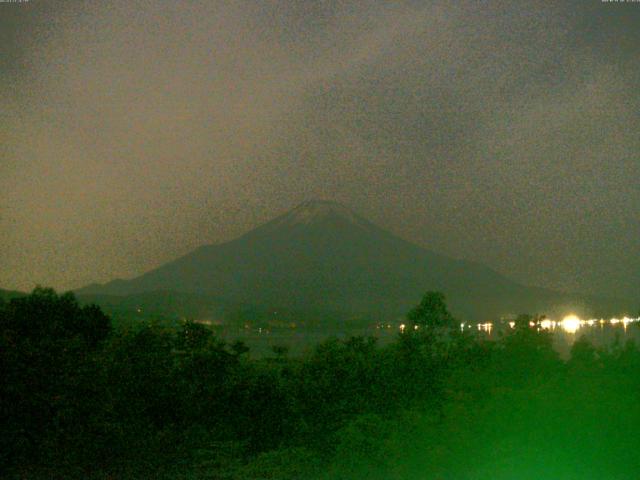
(323, 256)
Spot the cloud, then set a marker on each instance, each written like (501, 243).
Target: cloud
(138, 130)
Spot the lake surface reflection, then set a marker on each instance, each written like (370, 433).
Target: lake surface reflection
(600, 332)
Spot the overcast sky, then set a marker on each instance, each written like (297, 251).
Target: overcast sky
(502, 132)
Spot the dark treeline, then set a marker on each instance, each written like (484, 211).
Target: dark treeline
(82, 400)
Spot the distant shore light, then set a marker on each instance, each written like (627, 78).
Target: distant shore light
(570, 323)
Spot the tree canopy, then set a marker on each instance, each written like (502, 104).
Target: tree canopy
(81, 400)
(431, 312)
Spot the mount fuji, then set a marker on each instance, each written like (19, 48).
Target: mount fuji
(321, 256)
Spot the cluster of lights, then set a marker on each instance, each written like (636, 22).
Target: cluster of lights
(482, 327)
(485, 327)
(387, 326)
(403, 327)
(569, 324)
(572, 323)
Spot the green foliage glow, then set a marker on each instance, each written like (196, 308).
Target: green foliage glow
(80, 400)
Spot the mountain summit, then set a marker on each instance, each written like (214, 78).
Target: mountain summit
(321, 256)
(319, 210)
(312, 214)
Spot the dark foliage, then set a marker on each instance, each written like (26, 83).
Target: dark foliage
(82, 401)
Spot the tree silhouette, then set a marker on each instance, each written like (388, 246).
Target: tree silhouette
(47, 347)
(431, 312)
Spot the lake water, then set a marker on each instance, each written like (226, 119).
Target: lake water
(600, 332)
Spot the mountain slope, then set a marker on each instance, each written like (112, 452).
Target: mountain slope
(322, 256)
